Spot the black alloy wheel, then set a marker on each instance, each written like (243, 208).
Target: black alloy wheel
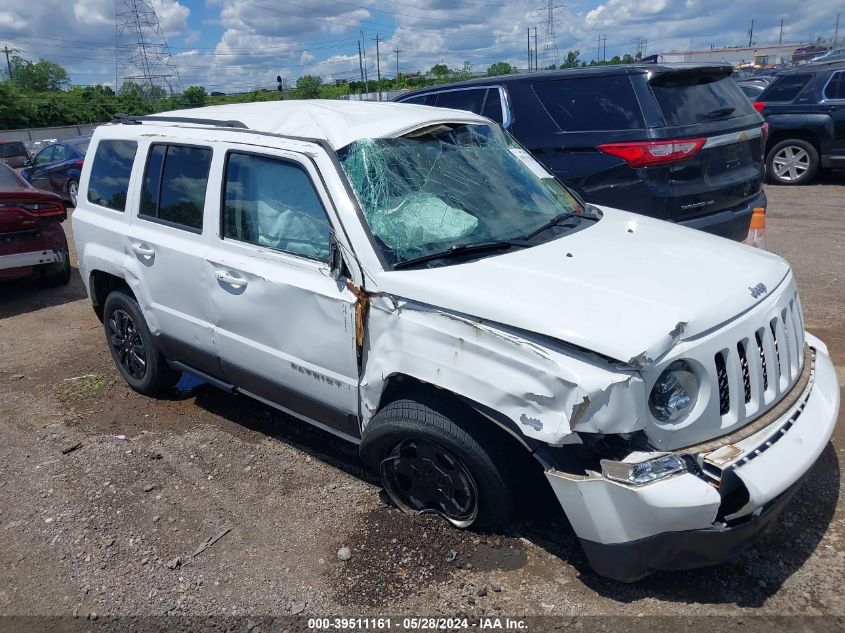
(127, 344)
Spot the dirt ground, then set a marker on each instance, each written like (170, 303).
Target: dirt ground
(105, 495)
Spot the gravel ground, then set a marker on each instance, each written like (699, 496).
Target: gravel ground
(106, 496)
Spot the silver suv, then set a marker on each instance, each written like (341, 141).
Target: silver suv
(412, 280)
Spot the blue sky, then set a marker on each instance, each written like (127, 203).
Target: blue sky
(236, 45)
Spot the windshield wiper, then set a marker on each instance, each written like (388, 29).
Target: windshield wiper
(459, 249)
(719, 112)
(560, 217)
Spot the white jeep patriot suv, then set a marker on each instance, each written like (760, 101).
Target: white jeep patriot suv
(410, 279)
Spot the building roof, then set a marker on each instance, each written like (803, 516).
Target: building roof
(337, 122)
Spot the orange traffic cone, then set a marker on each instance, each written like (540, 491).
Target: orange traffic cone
(757, 230)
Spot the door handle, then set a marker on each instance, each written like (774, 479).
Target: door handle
(227, 278)
(143, 250)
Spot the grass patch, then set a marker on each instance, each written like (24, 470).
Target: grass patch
(82, 387)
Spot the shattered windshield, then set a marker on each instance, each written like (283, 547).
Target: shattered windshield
(455, 187)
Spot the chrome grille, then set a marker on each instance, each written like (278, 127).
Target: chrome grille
(749, 383)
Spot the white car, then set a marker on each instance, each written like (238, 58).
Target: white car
(410, 279)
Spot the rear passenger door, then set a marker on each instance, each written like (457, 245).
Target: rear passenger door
(167, 250)
(285, 328)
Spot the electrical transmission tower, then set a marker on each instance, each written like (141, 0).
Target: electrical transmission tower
(141, 52)
(551, 53)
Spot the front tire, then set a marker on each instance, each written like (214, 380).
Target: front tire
(792, 162)
(430, 463)
(132, 347)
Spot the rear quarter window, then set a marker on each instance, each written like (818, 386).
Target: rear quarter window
(786, 87)
(687, 98)
(591, 103)
(108, 184)
(835, 88)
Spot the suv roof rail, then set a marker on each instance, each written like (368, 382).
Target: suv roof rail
(138, 120)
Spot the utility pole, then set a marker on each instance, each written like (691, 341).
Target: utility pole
(535, 49)
(8, 50)
(397, 51)
(750, 33)
(364, 51)
(529, 48)
(360, 62)
(836, 32)
(780, 43)
(378, 69)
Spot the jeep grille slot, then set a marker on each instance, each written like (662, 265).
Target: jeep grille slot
(759, 338)
(724, 387)
(743, 363)
(773, 328)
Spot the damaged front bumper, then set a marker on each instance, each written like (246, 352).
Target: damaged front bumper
(716, 509)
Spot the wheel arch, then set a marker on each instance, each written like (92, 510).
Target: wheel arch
(101, 284)
(778, 136)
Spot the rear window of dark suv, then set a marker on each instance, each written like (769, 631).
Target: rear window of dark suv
(690, 97)
(591, 103)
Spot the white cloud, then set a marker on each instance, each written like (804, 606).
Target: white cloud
(259, 39)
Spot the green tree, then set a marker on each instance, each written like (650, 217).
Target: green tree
(571, 59)
(628, 59)
(14, 107)
(464, 72)
(307, 87)
(501, 68)
(440, 70)
(40, 76)
(194, 97)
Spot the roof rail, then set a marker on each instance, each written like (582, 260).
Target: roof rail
(138, 120)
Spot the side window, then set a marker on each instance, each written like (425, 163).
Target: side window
(835, 88)
(272, 203)
(175, 184)
(471, 100)
(60, 153)
(493, 106)
(786, 88)
(109, 181)
(591, 103)
(45, 156)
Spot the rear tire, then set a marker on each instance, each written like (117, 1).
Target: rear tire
(429, 463)
(133, 348)
(792, 162)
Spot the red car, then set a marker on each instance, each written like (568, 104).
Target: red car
(32, 241)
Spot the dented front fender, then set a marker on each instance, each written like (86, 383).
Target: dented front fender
(545, 388)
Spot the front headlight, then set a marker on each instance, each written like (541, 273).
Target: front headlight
(644, 472)
(674, 394)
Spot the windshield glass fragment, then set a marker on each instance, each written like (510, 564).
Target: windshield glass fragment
(454, 186)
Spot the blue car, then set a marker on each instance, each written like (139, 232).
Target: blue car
(56, 168)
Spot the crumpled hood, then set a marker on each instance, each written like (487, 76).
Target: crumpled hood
(629, 287)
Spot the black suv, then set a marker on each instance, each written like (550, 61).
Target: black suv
(679, 143)
(805, 110)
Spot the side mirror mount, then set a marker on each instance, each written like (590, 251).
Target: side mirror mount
(335, 259)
